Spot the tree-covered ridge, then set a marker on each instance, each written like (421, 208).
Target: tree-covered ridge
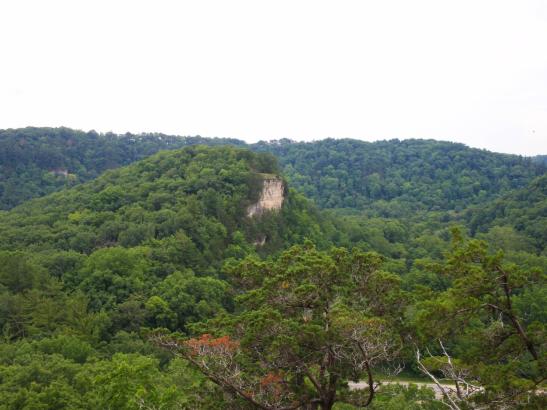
(96, 279)
(524, 210)
(84, 271)
(38, 161)
(387, 177)
(542, 159)
(199, 192)
(420, 174)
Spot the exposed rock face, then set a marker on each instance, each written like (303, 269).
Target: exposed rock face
(60, 172)
(271, 197)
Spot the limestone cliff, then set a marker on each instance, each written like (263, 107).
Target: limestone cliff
(271, 197)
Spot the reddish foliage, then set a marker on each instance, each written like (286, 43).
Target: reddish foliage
(206, 344)
(270, 378)
(272, 383)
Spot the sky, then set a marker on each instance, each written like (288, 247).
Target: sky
(466, 71)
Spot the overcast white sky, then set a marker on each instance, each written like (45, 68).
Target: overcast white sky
(467, 71)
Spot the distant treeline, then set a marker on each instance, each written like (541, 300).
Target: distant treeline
(410, 174)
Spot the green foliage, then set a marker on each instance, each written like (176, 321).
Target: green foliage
(17, 274)
(410, 174)
(36, 376)
(187, 202)
(483, 319)
(313, 322)
(37, 161)
(389, 177)
(524, 210)
(411, 397)
(88, 272)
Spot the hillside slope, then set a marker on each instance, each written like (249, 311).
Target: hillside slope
(199, 193)
(412, 174)
(387, 178)
(38, 161)
(85, 272)
(525, 210)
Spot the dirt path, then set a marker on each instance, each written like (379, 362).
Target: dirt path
(436, 389)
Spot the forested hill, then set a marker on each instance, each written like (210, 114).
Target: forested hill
(100, 281)
(37, 161)
(410, 174)
(84, 270)
(199, 193)
(414, 174)
(525, 210)
(542, 159)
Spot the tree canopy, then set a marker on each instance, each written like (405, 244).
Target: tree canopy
(424, 264)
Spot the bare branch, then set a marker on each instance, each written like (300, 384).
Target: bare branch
(442, 388)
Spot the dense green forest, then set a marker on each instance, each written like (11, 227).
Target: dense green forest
(38, 161)
(84, 270)
(524, 210)
(540, 159)
(150, 287)
(393, 178)
(399, 177)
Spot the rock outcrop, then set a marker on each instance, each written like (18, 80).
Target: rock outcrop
(60, 172)
(271, 197)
